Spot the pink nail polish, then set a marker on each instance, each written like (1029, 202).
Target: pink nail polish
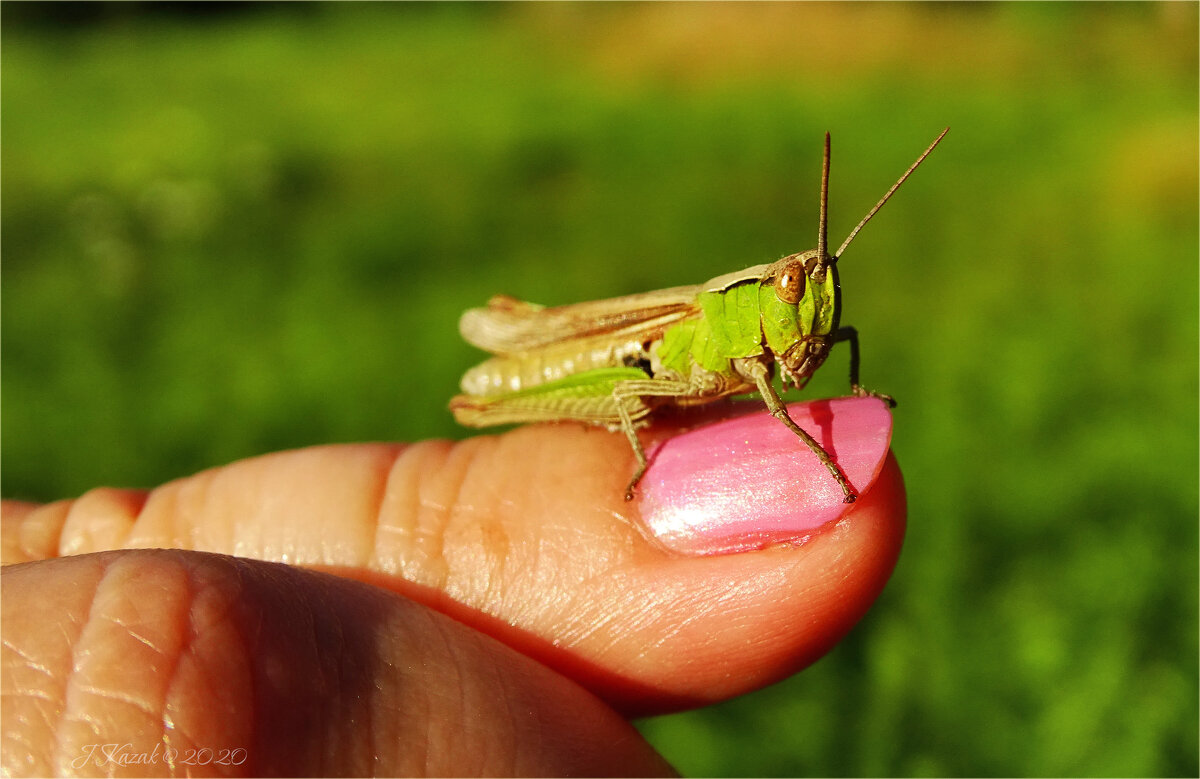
(747, 482)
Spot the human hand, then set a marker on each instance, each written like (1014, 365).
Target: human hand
(495, 606)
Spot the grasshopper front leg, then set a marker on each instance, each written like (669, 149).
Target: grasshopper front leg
(757, 371)
(859, 391)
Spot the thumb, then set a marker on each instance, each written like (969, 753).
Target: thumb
(737, 565)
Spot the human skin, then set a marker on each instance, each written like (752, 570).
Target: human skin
(488, 607)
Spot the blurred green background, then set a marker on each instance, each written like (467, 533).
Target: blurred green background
(238, 229)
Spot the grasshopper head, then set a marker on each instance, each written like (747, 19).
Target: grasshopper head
(804, 312)
(806, 292)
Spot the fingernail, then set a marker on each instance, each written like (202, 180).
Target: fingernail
(747, 482)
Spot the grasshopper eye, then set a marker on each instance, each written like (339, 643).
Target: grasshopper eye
(789, 284)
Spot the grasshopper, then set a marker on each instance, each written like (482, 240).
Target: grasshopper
(613, 362)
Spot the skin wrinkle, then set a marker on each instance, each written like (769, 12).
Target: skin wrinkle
(78, 651)
(561, 584)
(497, 542)
(400, 510)
(325, 677)
(28, 749)
(480, 542)
(690, 606)
(661, 635)
(456, 664)
(299, 668)
(497, 545)
(46, 517)
(416, 553)
(62, 683)
(391, 691)
(367, 725)
(379, 495)
(314, 635)
(501, 587)
(533, 590)
(131, 700)
(581, 625)
(338, 683)
(18, 738)
(173, 661)
(490, 687)
(169, 727)
(375, 711)
(249, 638)
(27, 659)
(698, 609)
(203, 622)
(162, 502)
(509, 701)
(587, 624)
(195, 495)
(388, 489)
(503, 745)
(338, 662)
(370, 702)
(78, 535)
(159, 711)
(71, 535)
(363, 545)
(145, 640)
(37, 695)
(437, 644)
(484, 685)
(459, 466)
(183, 509)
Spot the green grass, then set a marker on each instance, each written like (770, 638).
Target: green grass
(232, 236)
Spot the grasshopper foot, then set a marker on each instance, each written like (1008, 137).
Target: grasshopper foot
(633, 483)
(860, 391)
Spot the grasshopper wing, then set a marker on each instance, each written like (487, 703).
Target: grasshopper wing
(508, 325)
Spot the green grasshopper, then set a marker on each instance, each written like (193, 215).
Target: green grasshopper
(613, 362)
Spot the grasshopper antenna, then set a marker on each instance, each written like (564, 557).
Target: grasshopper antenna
(882, 200)
(822, 231)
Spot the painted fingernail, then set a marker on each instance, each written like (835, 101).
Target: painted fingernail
(743, 483)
